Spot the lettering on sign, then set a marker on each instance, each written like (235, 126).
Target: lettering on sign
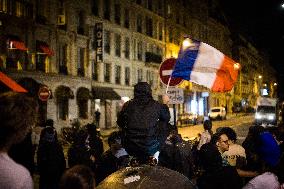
(176, 95)
(99, 41)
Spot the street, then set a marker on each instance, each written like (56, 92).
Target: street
(240, 124)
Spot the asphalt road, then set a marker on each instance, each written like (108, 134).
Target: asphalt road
(240, 124)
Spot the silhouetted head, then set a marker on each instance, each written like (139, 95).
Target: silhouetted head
(78, 177)
(18, 113)
(142, 89)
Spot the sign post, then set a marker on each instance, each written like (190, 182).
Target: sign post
(165, 72)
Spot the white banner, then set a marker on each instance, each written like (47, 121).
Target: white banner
(176, 95)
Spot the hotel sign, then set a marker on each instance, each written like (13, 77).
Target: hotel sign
(99, 41)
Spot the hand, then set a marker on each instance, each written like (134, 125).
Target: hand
(166, 99)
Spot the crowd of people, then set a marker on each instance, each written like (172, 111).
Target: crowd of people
(216, 160)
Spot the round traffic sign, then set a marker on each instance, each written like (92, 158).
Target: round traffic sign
(44, 93)
(165, 72)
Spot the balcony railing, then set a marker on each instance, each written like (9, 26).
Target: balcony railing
(152, 57)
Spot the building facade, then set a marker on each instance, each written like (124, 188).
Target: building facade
(90, 53)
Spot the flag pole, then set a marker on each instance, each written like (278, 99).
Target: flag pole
(168, 84)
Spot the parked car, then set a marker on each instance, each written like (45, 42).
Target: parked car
(217, 113)
(187, 118)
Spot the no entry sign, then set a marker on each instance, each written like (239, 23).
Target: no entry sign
(165, 71)
(44, 93)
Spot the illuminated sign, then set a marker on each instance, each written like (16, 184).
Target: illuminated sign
(99, 41)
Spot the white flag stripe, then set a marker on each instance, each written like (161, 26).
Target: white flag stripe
(208, 57)
(167, 72)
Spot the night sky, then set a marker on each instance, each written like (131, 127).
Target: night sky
(262, 22)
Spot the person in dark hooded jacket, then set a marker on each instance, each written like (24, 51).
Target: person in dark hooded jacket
(139, 120)
(50, 159)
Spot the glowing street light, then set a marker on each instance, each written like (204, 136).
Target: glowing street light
(260, 76)
(275, 84)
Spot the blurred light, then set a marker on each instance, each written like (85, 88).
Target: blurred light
(282, 5)
(264, 84)
(275, 84)
(237, 66)
(258, 116)
(259, 77)
(186, 43)
(271, 117)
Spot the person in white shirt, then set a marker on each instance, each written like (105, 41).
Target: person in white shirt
(17, 115)
(206, 134)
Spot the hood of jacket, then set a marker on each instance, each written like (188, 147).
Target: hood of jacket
(142, 90)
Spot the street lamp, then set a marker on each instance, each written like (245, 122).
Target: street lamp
(260, 76)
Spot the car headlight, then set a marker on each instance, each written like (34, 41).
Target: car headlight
(271, 117)
(258, 116)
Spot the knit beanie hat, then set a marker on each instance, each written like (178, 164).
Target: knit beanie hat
(268, 149)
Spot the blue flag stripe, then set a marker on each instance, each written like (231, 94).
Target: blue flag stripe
(185, 61)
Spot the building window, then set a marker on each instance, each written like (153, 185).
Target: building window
(139, 2)
(127, 47)
(171, 35)
(139, 23)
(40, 59)
(80, 23)
(150, 77)
(117, 13)
(149, 4)
(107, 9)
(127, 76)
(41, 12)
(63, 107)
(95, 70)
(160, 31)
(117, 44)
(107, 72)
(117, 74)
(80, 62)
(140, 50)
(95, 7)
(62, 57)
(107, 42)
(139, 75)
(149, 27)
(126, 18)
(83, 108)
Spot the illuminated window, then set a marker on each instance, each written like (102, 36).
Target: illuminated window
(19, 9)
(3, 6)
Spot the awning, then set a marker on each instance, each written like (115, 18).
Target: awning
(18, 45)
(104, 93)
(44, 48)
(11, 83)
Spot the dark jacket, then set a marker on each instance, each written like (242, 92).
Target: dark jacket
(176, 155)
(50, 159)
(139, 120)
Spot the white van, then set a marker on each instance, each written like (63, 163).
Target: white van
(217, 113)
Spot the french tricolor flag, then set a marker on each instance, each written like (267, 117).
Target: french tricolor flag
(202, 64)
